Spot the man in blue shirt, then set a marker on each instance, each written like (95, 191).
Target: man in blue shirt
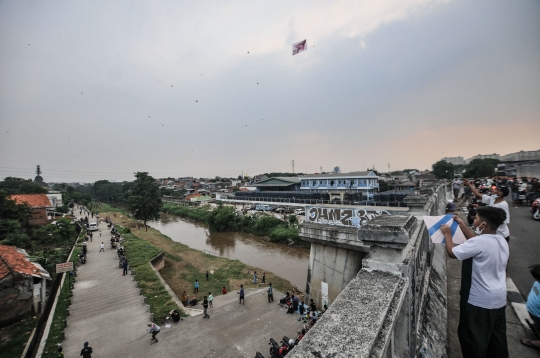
(241, 293)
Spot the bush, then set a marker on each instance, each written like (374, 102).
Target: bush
(221, 219)
(284, 234)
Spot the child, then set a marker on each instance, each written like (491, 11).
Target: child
(210, 299)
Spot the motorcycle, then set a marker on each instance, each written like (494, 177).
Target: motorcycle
(276, 351)
(258, 355)
(82, 258)
(535, 209)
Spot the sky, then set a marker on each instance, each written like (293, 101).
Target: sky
(95, 90)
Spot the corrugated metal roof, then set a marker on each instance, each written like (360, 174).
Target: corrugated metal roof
(16, 260)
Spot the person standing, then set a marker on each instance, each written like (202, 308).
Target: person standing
(99, 233)
(196, 288)
(87, 351)
(270, 293)
(467, 195)
(496, 200)
(205, 306)
(210, 299)
(125, 267)
(102, 247)
(154, 329)
(482, 317)
(241, 293)
(514, 187)
(255, 277)
(263, 278)
(206, 275)
(223, 291)
(457, 187)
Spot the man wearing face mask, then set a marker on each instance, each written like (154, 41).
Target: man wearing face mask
(482, 317)
(496, 200)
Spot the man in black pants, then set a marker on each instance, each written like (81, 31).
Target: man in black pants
(482, 317)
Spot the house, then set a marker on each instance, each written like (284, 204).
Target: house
(22, 284)
(278, 184)
(38, 204)
(337, 184)
(55, 197)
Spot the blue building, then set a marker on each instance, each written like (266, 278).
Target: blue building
(337, 185)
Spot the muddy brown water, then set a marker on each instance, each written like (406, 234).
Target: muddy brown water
(290, 263)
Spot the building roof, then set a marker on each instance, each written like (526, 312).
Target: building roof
(277, 182)
(15, 260)
(34, 200)
(339, 175)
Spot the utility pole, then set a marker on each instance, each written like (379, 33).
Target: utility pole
(321, 170)
(293, 166)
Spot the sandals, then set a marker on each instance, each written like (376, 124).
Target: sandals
(530, 343)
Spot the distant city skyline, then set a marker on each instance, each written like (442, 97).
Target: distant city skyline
(96, 90)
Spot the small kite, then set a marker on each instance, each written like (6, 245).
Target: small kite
(171, 85)
(196, 100)
(299, 47)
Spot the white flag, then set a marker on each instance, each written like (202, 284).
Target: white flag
(433, 224)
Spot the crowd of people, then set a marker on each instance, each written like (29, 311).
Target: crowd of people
(484, 257)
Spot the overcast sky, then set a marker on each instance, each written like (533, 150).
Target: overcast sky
(100, 89)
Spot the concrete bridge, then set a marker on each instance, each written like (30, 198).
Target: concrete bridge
(383, 279)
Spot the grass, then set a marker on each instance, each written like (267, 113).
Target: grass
(184, 265)
(14, 337)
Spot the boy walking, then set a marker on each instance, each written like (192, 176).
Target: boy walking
(270, 293)
(205, 306)
(482, 319)
(241, 293)
(102, 247)
(154, 329)
(196, 288)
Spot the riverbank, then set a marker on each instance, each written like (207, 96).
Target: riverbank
(225, 218)
(184, 265)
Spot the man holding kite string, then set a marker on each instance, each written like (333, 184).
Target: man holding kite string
(482, 318)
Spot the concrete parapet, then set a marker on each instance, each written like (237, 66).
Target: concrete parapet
(351, 326)
(395, 229)
(338, 236)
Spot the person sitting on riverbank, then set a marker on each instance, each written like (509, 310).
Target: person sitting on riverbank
(223, 291)
(193, 301)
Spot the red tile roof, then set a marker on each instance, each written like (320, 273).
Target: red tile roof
(16, 261)
(34, 200)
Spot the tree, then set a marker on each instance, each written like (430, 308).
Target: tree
(13, 185)
(481, 168)
(13, 221)
(145, 200)
(383, 186)
(443, 170)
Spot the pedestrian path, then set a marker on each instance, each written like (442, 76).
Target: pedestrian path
(106, 307)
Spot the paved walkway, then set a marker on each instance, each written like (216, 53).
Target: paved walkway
(107, 310)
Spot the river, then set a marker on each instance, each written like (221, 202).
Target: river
(290, 263)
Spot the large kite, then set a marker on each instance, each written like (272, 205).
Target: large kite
(299, 47)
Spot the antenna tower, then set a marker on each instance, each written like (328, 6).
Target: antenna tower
(38, 171)
(293, 165)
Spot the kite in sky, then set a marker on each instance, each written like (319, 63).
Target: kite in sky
(299, 47)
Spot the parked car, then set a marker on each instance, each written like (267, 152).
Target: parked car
(93, 227)
(263, 207)
(300, 212)
(279, 210)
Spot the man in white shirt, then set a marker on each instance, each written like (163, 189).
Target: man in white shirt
(482, 318)
(496, 199)
(457, 187)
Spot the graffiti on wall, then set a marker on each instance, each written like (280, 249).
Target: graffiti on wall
(351, 217)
